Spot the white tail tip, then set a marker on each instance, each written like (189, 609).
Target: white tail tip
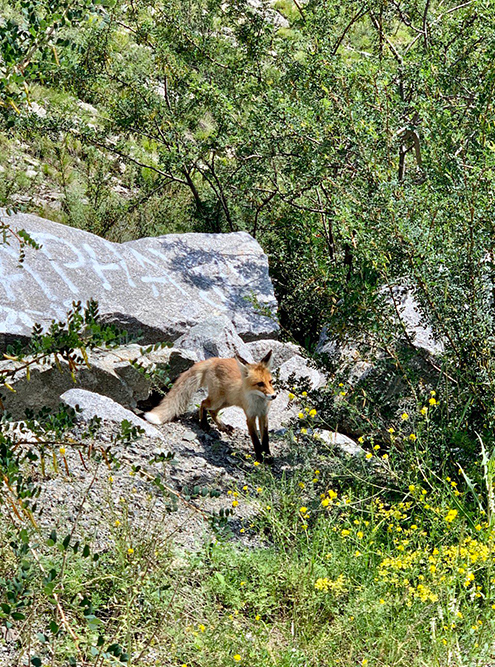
(152, 417)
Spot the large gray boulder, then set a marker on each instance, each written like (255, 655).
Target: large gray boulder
(159, 286)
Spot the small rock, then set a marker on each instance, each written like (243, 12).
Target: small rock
(281, 352)
(343, 442)
(95, 405)
(214, 337)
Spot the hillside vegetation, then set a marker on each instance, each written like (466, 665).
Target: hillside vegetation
(355, 142)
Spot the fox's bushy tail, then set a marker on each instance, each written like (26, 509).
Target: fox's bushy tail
(179, 397)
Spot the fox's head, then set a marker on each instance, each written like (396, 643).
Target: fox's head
(257, 378)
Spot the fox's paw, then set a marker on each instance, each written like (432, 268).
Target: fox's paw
(265, 458)
(225, 428)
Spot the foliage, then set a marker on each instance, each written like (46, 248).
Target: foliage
(355, 142)
(19, 236)
(29, 40)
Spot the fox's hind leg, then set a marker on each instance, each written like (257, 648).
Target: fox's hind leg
(226, 428)
(203, 421)
(206, 406)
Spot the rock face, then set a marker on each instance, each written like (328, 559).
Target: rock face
(419, 332)
(159, 286)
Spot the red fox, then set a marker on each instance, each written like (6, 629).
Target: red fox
(229, 382)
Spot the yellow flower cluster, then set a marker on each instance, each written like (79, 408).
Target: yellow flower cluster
(437, 567)
(422, 593)
(326, 501)
(451, 515)
(338, 587)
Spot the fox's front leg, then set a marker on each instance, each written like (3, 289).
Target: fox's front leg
(251, 424)
(265, 446)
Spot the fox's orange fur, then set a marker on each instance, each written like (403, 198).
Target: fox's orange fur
(229, 382)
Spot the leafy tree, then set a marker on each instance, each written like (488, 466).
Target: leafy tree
(355, 141)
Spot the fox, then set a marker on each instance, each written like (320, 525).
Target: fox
(229, 382)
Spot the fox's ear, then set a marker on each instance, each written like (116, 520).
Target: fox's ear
(267, 360)
(243, 365)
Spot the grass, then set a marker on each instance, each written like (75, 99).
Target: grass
(366, 582)
(347, 563)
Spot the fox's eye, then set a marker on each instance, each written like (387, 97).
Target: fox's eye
(260, 384)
